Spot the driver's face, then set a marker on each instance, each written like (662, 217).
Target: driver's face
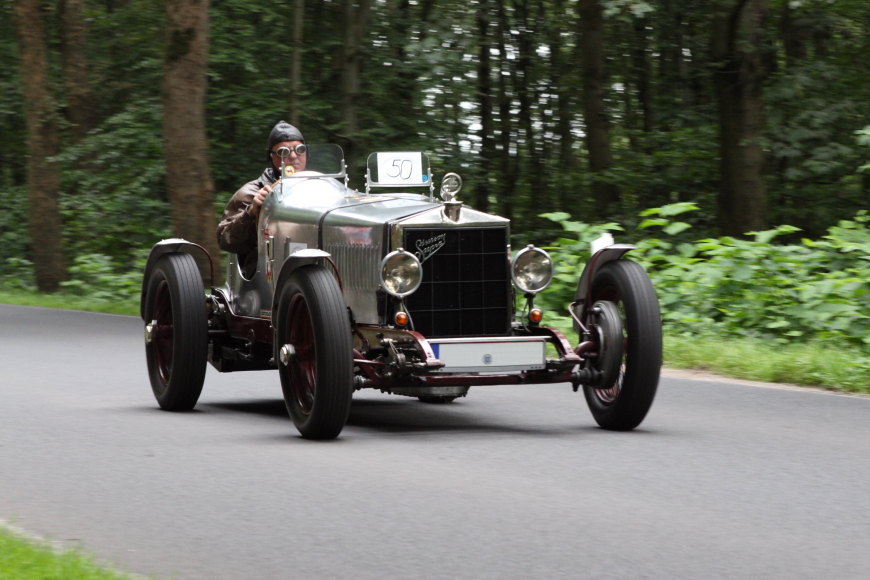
(297, 161)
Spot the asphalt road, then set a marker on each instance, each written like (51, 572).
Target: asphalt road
(720, 481)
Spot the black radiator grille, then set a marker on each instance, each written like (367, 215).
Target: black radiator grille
(466, 282)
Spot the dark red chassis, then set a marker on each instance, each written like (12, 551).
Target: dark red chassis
(390, 358)
(387, 358)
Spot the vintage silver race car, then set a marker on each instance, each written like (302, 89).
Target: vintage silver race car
(398, 292)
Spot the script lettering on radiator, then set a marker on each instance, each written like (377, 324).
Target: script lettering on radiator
(425, 248)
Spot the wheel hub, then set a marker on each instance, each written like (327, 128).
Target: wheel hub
(288, 351)
(149, 331)
(608, 324)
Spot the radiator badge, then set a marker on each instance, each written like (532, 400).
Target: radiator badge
(425, 248)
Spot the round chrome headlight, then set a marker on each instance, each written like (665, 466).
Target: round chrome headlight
(532, 269)
(401, 273)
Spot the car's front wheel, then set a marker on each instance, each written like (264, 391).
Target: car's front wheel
(316, 352)
(176, 332)
(624, 400)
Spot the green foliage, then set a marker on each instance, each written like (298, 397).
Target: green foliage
(817, 289)
(17, 274)
(95, 276)
(863, 138)
(113, 200)
(14, 235)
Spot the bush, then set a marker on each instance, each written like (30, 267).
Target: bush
(95, 276)
(817, 289)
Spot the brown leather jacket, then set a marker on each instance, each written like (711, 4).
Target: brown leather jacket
(237, 232)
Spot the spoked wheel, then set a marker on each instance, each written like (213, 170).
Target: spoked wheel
(622, 401)
(316, 352)
(176, 332)
(302, 370)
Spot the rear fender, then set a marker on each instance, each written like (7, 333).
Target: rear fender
(170, 246)
(583, 296)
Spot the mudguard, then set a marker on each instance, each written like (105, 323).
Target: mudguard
(293, 261)
(170, 246)
(582, 298)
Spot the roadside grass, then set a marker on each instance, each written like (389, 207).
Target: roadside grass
(816, 364)
(25, 560)
(828, 364)
(69, 302)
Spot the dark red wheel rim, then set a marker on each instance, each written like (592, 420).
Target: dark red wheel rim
(303, 365)
(162, 337)
(608, 395)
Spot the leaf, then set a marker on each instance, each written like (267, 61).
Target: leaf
(558, 216)
(676, 227)
(677, 208)
(648, 223)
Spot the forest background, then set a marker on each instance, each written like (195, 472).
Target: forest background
(126, 121)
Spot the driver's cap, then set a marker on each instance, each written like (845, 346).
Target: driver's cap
(284, 131)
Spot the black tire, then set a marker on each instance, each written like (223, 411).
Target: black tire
(318, 381)
(434, 400)
(622, 405)
(177, 351)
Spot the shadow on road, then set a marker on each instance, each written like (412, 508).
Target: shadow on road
(410, 417)
(265, 407)
(416, 417)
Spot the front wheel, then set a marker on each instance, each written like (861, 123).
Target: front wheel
(176, 332)
(622, 403)
(317, 352)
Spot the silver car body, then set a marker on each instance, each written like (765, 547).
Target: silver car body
(356, 230)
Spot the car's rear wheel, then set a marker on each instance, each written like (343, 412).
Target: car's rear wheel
(316, 365)
(176, 332)
(622, 403)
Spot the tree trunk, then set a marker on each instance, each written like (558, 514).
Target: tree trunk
(75, 68)
(43, 177)
(539, 192)
(793, 36)
(738, 76)
(594, 110)
(296, 69)
(563, 80)
(356, 20)
(188, 177)
(484, 79)
(508, 165)
(698, 69)
(642, 73)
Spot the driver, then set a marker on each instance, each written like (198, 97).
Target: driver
(237, 231)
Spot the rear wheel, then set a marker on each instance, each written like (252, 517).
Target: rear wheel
(624, 400)
(176, 332)
(317, 359)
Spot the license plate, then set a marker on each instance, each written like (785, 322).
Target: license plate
(490, 355)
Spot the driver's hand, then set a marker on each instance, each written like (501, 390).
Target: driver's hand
(258, 200)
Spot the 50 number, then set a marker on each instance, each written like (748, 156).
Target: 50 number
(401, 168)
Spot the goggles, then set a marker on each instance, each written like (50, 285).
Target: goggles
(284, 152)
